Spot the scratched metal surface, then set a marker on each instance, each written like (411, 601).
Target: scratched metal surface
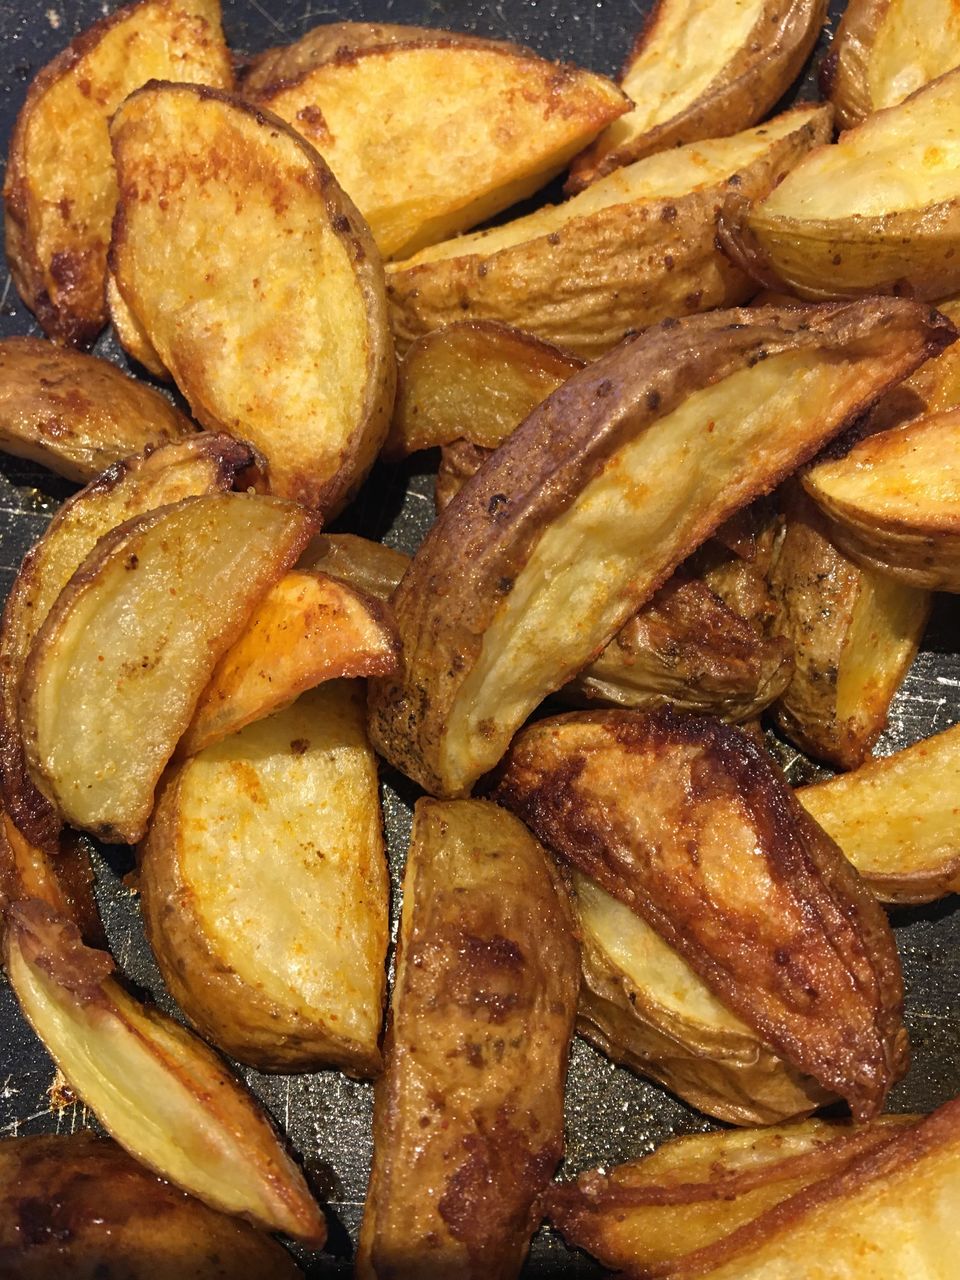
(612, 1115)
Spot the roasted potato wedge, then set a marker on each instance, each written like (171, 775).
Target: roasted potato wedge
(702, 70)
(934, 388)
(207, 284)
(308, 628)
(854, 634)
(60, 188)
(285, 972)
(896, 819)
(468, 1115)
(370, 567)
(878, 212)
(893, 503)
(78, 1205)
(504, 121)
(568, 528)
(692, 826)
(132, 641)
(153, 1086)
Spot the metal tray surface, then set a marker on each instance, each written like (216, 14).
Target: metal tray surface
(612, 1115)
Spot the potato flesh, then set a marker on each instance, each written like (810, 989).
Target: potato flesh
(906, 54)
(371, 567)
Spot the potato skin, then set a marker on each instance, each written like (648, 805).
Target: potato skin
(843, 76)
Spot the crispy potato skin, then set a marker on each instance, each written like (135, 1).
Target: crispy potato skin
(468, 1115)
(723, 881)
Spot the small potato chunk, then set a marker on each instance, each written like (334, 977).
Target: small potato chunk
(468, 1114)
(370, 567)
(257, 285)
(265, 890)
(934, 388)
(60, 189)
(118, 665)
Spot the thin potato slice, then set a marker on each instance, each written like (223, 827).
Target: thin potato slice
(256, 283)
(638, 247)
(569, 528)
(505, 122)
(308, 628)
(702, 70)
(468, 1115)
(60, 188)
(370, 567)
(155, 1087)
(118, 665)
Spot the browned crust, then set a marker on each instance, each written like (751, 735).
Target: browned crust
(54, 945)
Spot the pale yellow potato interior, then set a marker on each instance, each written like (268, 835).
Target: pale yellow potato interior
(917, 41)
(879, 645)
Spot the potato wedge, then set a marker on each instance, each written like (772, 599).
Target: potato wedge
(285, 972)
(308, 628)
(196, 465)
(468, 1115)
(934, 388)
(63, 880)
(640, 246)
(475, 381)
(504, 121)
(568, 529)
(702, 70)
(370, 567)
(896, 819)
(692, 826)
(60, 187)
(130, 332)
(893, 503)
(208, 285)
(155, 1087)
(855, 634)
(78, 1205)
(878, 212)
(132, 642)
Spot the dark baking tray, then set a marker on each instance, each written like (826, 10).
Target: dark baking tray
(611, 1114)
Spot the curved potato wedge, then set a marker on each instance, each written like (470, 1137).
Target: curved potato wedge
(370, 567)
(60, 188)
(568, 529)
(702, 70)
(638, 247)
(124, 654)
(155, 1087)
(691, 825)
(208, 257)
(504, 121)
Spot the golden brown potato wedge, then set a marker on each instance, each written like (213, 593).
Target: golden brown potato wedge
(130, 332)
(285, 971)
(702, 70)
(896, 819)
(257, 284)
(854, 634)
(468, 1115)
(60, 188)
(370, 567)
(877, 212)
(504, 121)
(132, 641)
(308, 628)
(155, 1087)
(692, 826)
(77, 1205)
(638, 247)
(569, 528)
(196, 465)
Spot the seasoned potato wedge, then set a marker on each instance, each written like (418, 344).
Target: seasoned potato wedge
(504, 121)
(198, 464)
(257, 284)
(285, 971)
(568, 529)
(638, 247)
(475, 381)
(854, 633)
(468, 1115)
(124, 654)
(95, 1213)
(60, 189)
(702, 70)
(692, 826)
(308, 628)
(896, 819)
(893, 503)
(878, 212)
(370, 567)
(153, 1086)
